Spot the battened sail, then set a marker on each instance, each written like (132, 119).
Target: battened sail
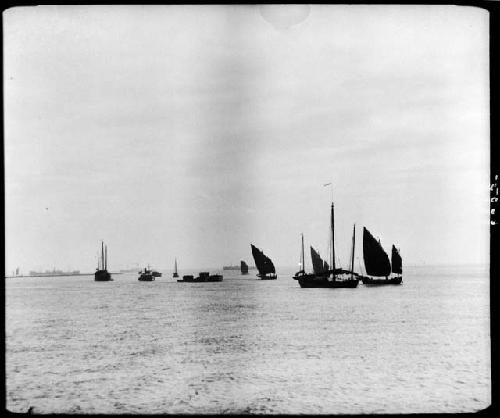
(262, 262)
(319, 265)
(397, 263)
(244, 267)
(376, 260)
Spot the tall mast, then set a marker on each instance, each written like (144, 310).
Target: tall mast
(102, 254)
(332, 261)
(303, 258)
(176, 265)
(353, 243)
(106, 257)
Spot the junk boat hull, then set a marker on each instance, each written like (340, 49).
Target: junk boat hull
(102, 276)
(372, 281)
(313, 280)
(267, 277)
(305, 283)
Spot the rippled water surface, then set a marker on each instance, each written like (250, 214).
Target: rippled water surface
(248, 346)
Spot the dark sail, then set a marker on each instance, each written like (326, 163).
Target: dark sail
(376, 260)
(397, 263)
(244, 267)
(262, 262)
(319, 265)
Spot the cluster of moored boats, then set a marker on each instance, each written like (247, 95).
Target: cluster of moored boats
(379, 270)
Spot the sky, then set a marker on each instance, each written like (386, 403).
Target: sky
(190, 132)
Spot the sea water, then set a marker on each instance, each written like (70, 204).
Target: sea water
(249, 346)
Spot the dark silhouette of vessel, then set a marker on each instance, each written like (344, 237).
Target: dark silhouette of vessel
(377, 263)
(102, 274)
(175, 269)
(323, 275)
(264, 264)
(203, 276)
(146, 275)
(244, 267)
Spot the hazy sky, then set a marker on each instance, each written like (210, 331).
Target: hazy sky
(193, 131)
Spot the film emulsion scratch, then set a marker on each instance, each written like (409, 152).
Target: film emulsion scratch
(277, 209)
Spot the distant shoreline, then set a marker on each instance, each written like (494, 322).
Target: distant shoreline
(287, 268)
(54, 275)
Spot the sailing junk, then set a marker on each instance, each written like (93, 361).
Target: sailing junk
(377, 262)
(175, 269)
(324, 276)
(244, 267)
(101, 274)
(264, 264)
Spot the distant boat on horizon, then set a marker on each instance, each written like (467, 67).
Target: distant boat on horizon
(203, 276)
(235, 267)
(264, 264)
(54, 272)
(324, 275)
(230, 267)
(146, 275)
(130, 270)
(102, 274)
(377, 262)
(175, 269)
(244, 267)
